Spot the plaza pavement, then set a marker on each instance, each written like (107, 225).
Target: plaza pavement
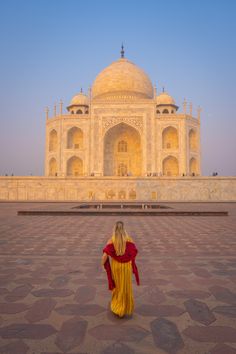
(54, 297)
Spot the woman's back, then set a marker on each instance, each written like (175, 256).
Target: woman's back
(121, 249)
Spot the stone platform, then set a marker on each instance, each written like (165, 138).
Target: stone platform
(53, 291)
(158, 189)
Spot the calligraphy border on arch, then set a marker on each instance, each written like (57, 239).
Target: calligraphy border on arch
(109, 122)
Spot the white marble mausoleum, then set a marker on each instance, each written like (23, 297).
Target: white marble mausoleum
(123, 128)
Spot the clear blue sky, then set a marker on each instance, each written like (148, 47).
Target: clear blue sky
(52, 48)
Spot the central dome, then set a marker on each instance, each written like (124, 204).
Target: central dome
(122, 78)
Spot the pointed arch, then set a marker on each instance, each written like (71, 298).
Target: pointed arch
(193, 166)
(170, 139)
(53, 140)
(75, 138)
(74, 166)
(192, 140)
(53, 167)
(170, 166)
(165, 111)
(122, 151)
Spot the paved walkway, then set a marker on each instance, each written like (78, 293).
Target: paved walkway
(54, 297)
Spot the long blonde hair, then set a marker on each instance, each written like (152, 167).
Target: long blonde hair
(119, 238)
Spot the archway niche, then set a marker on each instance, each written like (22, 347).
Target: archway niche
(74, 166)
(170, 166)
(193, 168)
(52, 167)
(53, 140)
(170, 138)
(122, 151)
(75, 138)
(193, 140)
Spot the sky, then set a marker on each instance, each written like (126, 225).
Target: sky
(49, 49)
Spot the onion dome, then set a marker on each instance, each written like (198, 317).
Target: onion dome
(121, 79)
(164, 99)
(79, 100)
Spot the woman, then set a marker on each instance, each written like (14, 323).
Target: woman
(122, 251)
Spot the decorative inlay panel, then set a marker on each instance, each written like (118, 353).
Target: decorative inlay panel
(108, 122)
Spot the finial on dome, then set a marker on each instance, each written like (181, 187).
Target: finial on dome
(154, 90)
(122, 52)
(163, 89)
(81, 90)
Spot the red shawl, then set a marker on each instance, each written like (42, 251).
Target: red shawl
(129, 255)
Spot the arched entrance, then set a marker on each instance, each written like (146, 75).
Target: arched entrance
(122, 151)
(170, 138)
(192, 140)
(75, 138)
(74, 166)
(52, 167)
(53, 140)
(193, 166)
(170, 166)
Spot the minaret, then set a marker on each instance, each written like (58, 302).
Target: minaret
(199, 113)
(61, 107)
(55, 110)
(190, 108)
(122, 52)
(184, 106)
(47, 112)
(199, 139)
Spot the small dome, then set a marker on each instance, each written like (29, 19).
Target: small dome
(122, 78)
(164, 99)
(79, 100)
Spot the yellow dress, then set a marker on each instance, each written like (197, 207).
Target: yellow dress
(122, 302)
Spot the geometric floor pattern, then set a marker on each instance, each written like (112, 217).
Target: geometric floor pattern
(54, 296)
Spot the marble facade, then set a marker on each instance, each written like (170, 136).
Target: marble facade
(122, 128)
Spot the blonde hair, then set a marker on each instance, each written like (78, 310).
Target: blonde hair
(119, 238)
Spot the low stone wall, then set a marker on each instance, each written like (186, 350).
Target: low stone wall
(113, 188)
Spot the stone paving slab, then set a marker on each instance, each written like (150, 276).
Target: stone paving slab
(54, 297)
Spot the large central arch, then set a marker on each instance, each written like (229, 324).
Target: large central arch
(122, 151)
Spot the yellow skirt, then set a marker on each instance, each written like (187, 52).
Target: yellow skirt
(122, 302)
